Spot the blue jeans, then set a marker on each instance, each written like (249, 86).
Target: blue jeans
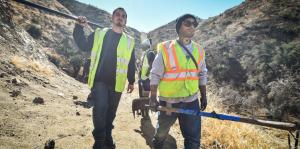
(106, 102)
(190, 126)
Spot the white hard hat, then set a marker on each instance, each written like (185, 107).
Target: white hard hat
(146, 44)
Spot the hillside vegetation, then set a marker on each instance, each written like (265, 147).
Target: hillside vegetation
(252, 56)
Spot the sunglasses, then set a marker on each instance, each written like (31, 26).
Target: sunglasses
(189, 23)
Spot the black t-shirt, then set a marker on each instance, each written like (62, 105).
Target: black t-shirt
(106, 71)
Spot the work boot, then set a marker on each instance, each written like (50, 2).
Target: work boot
(99, 144)
(156, 144)
(110, 143)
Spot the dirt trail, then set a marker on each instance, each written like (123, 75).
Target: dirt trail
(64, 116)
(137, 133)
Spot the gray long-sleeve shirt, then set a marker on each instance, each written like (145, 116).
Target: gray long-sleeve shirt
(158, 70)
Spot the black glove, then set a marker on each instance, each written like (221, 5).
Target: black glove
(153, 103)
(203, 101)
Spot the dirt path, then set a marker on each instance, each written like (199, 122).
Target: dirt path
(137, 133)
(64, 116)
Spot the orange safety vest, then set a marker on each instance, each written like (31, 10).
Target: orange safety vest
(181, 77)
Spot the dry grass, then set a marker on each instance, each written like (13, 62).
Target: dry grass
(227, 134)
(32, 65)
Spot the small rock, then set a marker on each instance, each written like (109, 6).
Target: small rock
(61, 135)
(61, 94)
(38, 100)
(77, 113)
(15, 81)
(50, 144)
(15, 93)
(75, 97)
(217, 144)
(2, 75)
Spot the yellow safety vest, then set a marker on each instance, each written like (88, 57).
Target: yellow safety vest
(124, 51)
(145, 66)
(181, 76)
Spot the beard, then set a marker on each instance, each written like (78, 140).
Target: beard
(119, 23)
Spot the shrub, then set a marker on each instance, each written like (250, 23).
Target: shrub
(35, 31)
(54, 59)
(288, 55)
(76, 60)
(68, 52)
(35, 20)
(283, 96)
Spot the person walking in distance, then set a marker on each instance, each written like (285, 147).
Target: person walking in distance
(146, 65)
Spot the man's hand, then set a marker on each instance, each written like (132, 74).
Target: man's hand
(153, 103)
(82, 21)
(130, 88)
(203, 101)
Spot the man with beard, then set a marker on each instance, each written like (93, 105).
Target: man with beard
(112, 61)
(178, 72)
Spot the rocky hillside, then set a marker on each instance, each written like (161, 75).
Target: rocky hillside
(253, 55)
(39, 102)
(33, 102)
(55, 32)
(99, 16)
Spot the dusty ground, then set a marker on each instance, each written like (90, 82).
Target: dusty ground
(62, 117)
(65, 117)
(68, 121)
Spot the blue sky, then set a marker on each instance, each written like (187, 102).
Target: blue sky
(146, 15)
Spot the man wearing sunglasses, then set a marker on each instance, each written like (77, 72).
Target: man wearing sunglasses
(112, 61)
(178, 72)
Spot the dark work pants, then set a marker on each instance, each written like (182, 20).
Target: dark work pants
(190, 125)
(106, 102)
(144, 85)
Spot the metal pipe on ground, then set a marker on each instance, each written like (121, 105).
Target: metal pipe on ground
(40, 7)
(273, 124)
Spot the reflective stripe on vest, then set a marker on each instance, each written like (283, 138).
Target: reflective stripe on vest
(124, 50)
(181, 75)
